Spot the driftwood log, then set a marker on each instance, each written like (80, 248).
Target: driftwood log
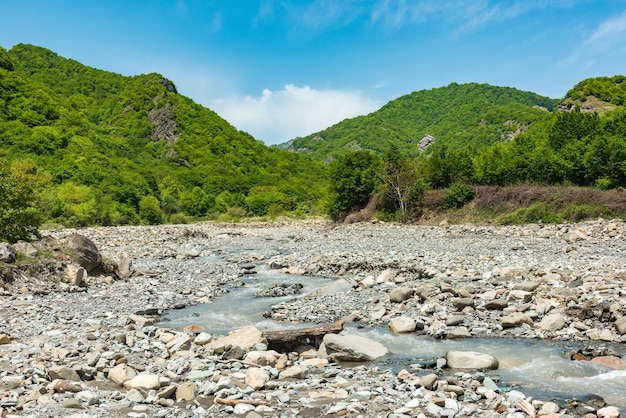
(233, 402)
(288, 339)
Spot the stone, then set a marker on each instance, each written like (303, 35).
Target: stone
(552, 322)
(527, 286)
(63, 372)
(143, 381)
(514, 320)
(576, 236)
(458, 332)
(123, 269)
(243, 408)
(72, 403)
(75, 274)
(7, 253)
(402, 324)
(267, 358)
(256, 378)
(400, 294)
(471, 360)
(608, 412)
(520, 295)
(548, 408)
(428, 381)
(294, 372)
(202, 339)
(83, 251)
(353, 348)
(62, 386)
(338, 286)
(180, 343)
(4, 339)
(121, 373)
(462, 303)
(496, 304)
(186, 391)
(611, 362)
(26, 248)
(386, 276)
(246, 337)
(620, 325)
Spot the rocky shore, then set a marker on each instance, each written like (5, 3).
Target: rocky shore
(84, 341)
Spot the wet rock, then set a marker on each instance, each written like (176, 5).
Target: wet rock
(611, 362)
(401, 325)
(470, 360)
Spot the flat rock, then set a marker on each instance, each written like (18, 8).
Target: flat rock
(400, 294)
(496, 304)
(246, 337)
(402, 324)
(257, 377)
(611, 362)
(63, 372)
(353, 348)
(471, 360)
(515, 319)
(143, 381)
(186, 391)
(338, 286)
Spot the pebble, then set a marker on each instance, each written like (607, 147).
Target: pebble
(461, 280)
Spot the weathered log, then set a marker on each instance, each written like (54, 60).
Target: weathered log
(233, 402)
(277, 340)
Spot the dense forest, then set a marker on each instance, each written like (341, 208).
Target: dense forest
(81, 146)
(117, 150)
(458, 115)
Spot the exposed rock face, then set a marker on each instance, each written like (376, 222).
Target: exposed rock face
(164, 126)
(427, 141)
(169, 85)
(84, 251)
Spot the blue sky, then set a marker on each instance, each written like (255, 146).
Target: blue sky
(285, 68)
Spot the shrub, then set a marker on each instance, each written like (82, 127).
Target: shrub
(538, 212)
(458, 195)
(150, 210)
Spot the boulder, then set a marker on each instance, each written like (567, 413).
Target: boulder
(256, 377)
(143, 381)
(186, 391)
(82, 250)
(7, 253)
(267, 358)
(63, 372)
(471, 360)
(400, 294)
(514, 320)
(338, 286)
(121, 373)
(552, 322)
(402, 324)
(246, 337)
(352, 348)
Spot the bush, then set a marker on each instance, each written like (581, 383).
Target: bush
(458, 196)
(19, 217)
(150, 210)
(538, 212)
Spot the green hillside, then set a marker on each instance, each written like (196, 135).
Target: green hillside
(119, 149)
(457, 115)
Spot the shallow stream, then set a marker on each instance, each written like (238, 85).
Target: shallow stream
(538, 368)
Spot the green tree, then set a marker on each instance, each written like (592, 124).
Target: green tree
(150, 210)
(19, 217)
(352, 182)
(399, 180)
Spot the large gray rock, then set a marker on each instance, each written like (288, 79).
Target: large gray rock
(552, 322)
(400, 294)
(471, 360)
(82, 250)
(7, 253)
(338, 286)
(352, 348)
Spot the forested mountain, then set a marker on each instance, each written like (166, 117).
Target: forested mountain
(118, 149)
(458, 115)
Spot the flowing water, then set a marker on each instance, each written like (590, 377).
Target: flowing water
(538, 368)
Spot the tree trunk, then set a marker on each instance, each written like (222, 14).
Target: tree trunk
(285, 340)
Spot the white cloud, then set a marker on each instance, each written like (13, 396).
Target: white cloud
(278, 116)
(611, 31)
